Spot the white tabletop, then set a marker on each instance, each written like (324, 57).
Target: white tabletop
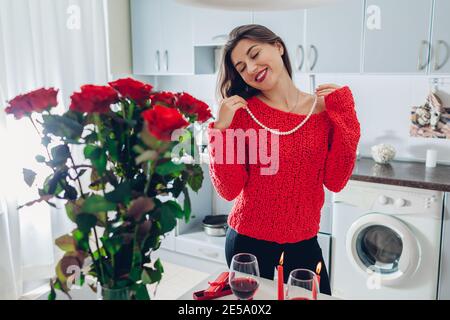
(267, 290)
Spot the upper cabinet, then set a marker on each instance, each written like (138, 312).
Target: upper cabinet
(211, 26)
(397, 36)
(161, 37)
(440, 40)
(353, 36)
(333, 37)
(290, 31)
(146, 46)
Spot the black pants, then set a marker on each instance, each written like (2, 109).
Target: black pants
(304, 254)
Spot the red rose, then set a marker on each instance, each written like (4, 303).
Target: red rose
(165, 97)
(162, 121)
(34, 101)
(192, 106)
(132, 89)
(93, 99)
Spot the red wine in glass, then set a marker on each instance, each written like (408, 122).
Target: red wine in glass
(299, 298)
(244, 288)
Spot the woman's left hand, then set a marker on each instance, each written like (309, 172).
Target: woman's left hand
(325, 89)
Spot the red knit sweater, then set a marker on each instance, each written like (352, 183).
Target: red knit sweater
(285, 207)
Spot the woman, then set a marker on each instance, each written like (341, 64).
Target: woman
(316, 136)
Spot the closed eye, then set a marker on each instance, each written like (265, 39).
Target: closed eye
(242, 70)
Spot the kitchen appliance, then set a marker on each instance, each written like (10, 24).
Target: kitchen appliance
(215, 225)
(444, 269)
(386, 242)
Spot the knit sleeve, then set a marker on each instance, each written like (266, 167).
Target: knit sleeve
(343, 139)
(227, 163)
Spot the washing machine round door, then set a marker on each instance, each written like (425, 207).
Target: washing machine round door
(383, 247)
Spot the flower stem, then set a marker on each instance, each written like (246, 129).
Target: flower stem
(39, 134)
(99, 256)
(78, 177)
(150, 165)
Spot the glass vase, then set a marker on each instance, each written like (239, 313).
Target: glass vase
(116, 294)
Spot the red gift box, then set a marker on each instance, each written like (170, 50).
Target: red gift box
(217, 288)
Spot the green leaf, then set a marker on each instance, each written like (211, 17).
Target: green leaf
(121, 194)
(113, 149)
(81, 172)
(29, 176)
(97, 156)
(187, 205)
(97, 182)
(135, 274)
(46, 141)
(82, 239)
(86, 222)
(177, 187)
(150, 240)
(113, 244)
(166, 214)
(141, 292)
(52, 184)
(40, 158)
(96, 203)
(91, 138)
(150, 276)
(195, 179)
(66, 243)
(74, 115)
(60, 154)
(51, 294)
(158, 265)
(73, 209)
(62, 126)
(70, 192)
(169, 167)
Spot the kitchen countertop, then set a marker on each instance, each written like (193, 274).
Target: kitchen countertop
(403, 173)
(267, 290)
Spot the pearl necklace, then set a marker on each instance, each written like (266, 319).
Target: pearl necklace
(284, 133)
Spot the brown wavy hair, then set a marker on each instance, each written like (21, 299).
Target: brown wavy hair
(229, 81)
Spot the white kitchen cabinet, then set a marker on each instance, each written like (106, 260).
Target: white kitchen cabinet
(397, 36)
(200, 245)
(211, 26)
(333, 37)
(161, 38)
(440, 41)
(290, 31)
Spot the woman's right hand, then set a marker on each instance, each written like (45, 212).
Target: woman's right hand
(227, 109)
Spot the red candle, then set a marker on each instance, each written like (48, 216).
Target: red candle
(314, 289)
(280, 278)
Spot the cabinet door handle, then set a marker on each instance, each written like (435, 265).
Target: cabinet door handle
(301, 51)
(422, 65)
(157, 64)
(166, 56)
(316, 56)
(220, 36)
(208, 253)
(437, 65)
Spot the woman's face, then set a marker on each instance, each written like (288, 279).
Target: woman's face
(259, 64)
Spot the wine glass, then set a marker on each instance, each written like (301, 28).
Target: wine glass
(302, 285)
(244, 275)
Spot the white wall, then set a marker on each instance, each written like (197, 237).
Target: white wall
(119, 37)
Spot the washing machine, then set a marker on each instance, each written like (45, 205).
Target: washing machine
(385, 242)
(444, 269)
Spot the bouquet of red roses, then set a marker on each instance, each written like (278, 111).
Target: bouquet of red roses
(129, 136)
